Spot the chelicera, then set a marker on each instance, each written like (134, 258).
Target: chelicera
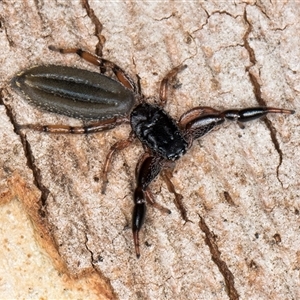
(106, 103)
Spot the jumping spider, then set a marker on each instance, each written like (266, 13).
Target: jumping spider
(96, 97)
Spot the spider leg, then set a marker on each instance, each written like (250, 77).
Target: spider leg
(139, 213)
(163, 91)
(118, 146)
(252, 113)
(90, 128)
(148, 169)
(199, 121)
(122, 76)
(196, 112)
(150, 199)
(149, 196)
(166, 174)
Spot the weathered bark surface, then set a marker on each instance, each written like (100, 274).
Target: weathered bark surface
(240, 187)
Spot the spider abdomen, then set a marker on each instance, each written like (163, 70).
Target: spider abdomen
(75, 92)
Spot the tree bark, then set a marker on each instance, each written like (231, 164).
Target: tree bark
(240, 187)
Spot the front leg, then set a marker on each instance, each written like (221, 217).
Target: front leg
(252, 113)
(148, 169)
(138, 217)
(201, 120)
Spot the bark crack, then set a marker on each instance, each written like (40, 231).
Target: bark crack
(257, 92)
(98, 27)
(109, 291)
(165, 18)
(221, 264)
(3, 26)
(89, 250)
(30, 160)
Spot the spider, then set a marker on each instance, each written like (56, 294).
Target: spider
(107, 103)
